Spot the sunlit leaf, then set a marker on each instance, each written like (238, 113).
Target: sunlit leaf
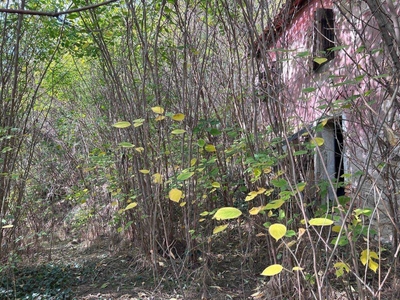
(226, 213)
(126, 145)
(301, 232)
(210, 148)
(122, 124)
(255, 210)
(175, 195)
(204, 213)
(182, 204)
(144, 171)
(157, 178)
(367, 258)
(7, 226)
(216, 184)
(300, 186)
(297, 269)
(160, 118)
(138, 122)
(274, 204)
(320, 222)
(272, 270)
(185, 175)
(320, 60)
(251, 196)
(341, 267)
(139, 149)
(277, 231)
(178, 131)
(158, 110)
(220, 228)
(178, 117)
(317, 141)
(193, 161)
(131, 205)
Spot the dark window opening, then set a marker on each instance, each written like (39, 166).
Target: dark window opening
(324, 36)
(339, 165)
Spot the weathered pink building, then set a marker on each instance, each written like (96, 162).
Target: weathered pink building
(328, 62)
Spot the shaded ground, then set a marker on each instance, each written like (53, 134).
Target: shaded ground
(76, 271)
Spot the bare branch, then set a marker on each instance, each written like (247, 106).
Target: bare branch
(53, 14)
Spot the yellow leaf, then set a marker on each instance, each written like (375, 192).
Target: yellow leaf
(193, 162)
(226, 213)
(251, 196)
(182, 204)
(144, 171)
(216, 184)
(323, 122)
(320, 222)
(336, 228)
(367, 257)
(121, 124)
(317, 141)
(272, 270)
(157, 178)
(114, 203)
(277, 231)
(204, 213)
(139, 149)
(131, 205)
(219, 228)
(178, 131)
(175, 195)
(255, 210)
(210, 148)
(7, 226)
(260, 191)
(158, 110)
(320, 60)
(341, 267)
(297, 269)
(178, 117)
(160, 118)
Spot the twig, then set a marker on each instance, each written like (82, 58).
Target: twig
(53, 14)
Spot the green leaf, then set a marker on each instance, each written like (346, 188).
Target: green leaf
(184, 175)
(308, 90)
(220, 228)
(216, 184)
(280, 183)
(341, 267)
(320, 222)
(277, 231)
(210, 148)
(215, 131)
(272, 270)
(303, 54)
(131, 205)
(290, 233)
(175, 195)
(122, 124)
(226, 213)
(274, 204)
(126, 145)
(178, 131)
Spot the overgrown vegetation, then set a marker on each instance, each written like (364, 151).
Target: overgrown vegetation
(163, 127)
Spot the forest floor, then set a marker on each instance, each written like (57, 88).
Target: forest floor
(76, 270)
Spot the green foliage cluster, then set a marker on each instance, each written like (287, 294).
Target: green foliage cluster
(43, 282)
